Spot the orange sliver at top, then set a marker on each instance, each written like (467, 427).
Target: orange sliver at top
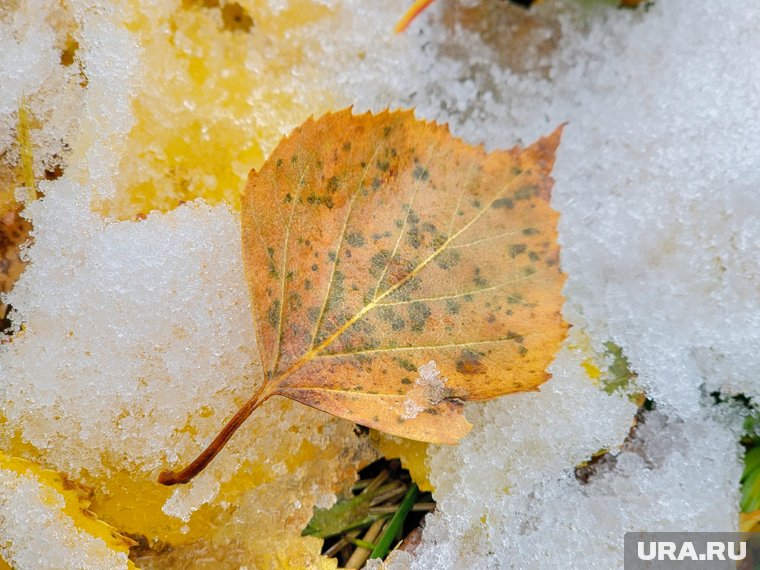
(413, 11)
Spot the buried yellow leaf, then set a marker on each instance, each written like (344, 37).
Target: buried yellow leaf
(396, 272)
(45, 522)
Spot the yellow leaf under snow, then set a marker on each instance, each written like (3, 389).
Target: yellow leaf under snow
(44, 523)
(411, 453)
(748, 522)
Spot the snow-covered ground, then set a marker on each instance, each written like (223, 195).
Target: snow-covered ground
(657, 183)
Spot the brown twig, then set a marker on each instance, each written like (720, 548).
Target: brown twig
(360, 555)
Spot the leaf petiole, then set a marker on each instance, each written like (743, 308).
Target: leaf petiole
(208, 454)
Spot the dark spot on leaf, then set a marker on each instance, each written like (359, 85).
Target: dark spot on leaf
(378, 262)
(332, 184)
(530, 231)
(470, 362)
(419, 313)
(420, 173)
(355, 239)
(294, 301)
(516, 249)
(503, 203)
(512, 335)
(316, 200)
(273, 314)
(314, 267)
(272, 268)
(438, 241)
(395, 320)
(452, 307)
(413, 237)
(448, 259)
(525, 193)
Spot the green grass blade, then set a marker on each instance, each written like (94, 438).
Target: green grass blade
(384, 544)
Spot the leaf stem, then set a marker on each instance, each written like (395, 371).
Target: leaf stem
(208, 454)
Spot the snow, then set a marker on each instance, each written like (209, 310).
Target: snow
(130, 328)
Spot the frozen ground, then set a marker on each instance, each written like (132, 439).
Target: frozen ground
(656, 181)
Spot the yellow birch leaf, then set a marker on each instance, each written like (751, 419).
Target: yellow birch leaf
(397, 272)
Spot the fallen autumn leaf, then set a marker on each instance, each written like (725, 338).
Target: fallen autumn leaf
(375, 244)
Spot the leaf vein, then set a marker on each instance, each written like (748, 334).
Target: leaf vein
(453, 295)
(326, 299)
(413, 348)
(277, 352)
(485, 239)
